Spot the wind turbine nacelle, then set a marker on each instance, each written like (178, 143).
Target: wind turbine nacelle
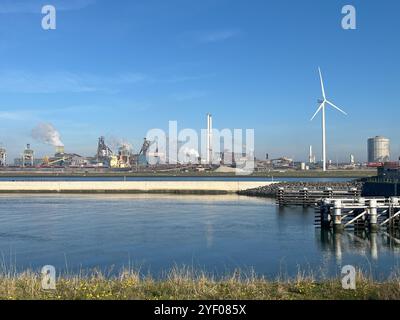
(320, 101)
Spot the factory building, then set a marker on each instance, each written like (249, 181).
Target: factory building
(227, 157)
(378, 149)
(28, 157)
(122, 159)
(61, 158)
(60, 151)
(3, 157)
(104, 153)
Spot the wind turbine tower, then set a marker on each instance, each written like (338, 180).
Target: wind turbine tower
(321, 108)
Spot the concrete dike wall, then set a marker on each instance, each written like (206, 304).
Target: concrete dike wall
(189, 187)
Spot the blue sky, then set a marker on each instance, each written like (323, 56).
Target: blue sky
(119, 68)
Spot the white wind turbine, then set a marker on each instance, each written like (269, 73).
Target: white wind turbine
(322, 107)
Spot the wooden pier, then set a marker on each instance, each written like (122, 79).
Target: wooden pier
(309, 197)
(363, 213)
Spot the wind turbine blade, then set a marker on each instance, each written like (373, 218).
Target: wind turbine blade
(336, 107)
(322, 83)
(318, 110)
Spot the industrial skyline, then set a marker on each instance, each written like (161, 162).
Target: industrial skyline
(150, 68)
(122, 154)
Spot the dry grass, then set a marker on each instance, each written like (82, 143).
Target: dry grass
(181, 284)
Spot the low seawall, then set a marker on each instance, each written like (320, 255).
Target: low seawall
(189, 187)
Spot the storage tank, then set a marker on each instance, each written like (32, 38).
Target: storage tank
(60, 150)
(378, 149)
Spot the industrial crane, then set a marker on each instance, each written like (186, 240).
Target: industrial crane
(146, 146)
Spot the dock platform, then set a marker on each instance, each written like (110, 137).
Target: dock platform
(310, 196)
(364, 213)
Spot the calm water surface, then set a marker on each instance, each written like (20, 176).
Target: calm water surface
(152, 178)
(157, 232)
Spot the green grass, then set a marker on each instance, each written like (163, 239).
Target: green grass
(183, 284)
(275, 174)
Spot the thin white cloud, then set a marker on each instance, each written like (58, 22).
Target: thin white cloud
(190, 95)
(195, 38)
(18, 81)
(183, 78)
(218, 36)
(35, 6)
(40, 113)
(25, 82)
(15, 115)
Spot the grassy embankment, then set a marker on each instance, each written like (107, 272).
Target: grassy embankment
(274, 174)
(179, 285)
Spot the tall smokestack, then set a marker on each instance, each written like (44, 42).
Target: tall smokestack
(209, 138)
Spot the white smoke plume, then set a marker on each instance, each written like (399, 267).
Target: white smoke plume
(115, 143)
(190, 152)
(46, 133)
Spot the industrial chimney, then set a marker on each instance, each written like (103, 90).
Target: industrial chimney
(209, 139)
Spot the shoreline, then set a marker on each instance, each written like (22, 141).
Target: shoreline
(188, 285)
(350, 174)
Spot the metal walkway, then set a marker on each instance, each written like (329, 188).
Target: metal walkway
(361, 213)
(309, 197)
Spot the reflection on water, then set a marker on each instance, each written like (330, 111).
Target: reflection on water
(155, 232)
(375, 253)
(358, 242)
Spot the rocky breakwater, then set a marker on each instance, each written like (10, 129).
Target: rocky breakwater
(271, 190)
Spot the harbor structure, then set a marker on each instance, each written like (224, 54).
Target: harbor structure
(386, 183)
(309, 196)
(361, 213)
(378, 150)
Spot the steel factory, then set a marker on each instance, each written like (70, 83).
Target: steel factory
(105, 157)
(121, 158)
(124, 158)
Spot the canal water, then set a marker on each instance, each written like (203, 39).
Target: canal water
(171, 178)
(218, 234)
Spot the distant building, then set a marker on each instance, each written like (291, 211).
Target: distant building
(28, 157)
(352, 160)
(3, 157)
(378, 149)
(36, 162)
